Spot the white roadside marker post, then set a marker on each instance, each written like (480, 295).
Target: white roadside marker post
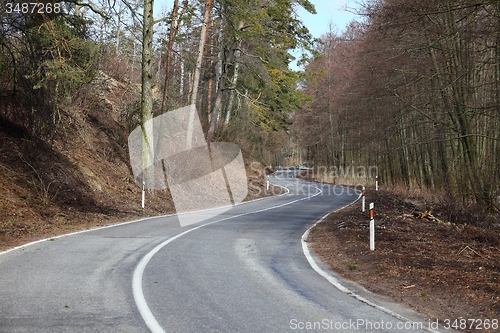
(267, 185)
(376, 183)
(143, 193)
(372, 228)
(363, 200)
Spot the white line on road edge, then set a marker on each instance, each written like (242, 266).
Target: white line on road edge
(80, 232)
(124, 223)
(139, 298)
(339, 285)
(138, 272)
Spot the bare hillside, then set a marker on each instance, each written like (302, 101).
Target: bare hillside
(82, 178)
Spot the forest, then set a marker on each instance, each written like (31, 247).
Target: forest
(230, 58)
(413, 89)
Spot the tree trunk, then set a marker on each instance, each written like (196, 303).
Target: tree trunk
(201, 47)
(236, 62)
(215, 113)
(147, 95)
(174, 29)
(197, 72)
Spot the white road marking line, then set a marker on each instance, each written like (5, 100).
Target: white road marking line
(339, 285)
(139, 298)
(121, 224)
(81, 232)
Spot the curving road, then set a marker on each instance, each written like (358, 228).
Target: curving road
(243, 271)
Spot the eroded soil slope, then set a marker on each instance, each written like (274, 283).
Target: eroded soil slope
(82, 178)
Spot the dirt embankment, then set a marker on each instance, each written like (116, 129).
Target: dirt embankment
(82, 179)
(426, 257)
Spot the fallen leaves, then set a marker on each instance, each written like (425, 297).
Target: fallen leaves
(432, 267)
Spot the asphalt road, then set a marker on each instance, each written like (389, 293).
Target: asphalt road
(242, 271)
